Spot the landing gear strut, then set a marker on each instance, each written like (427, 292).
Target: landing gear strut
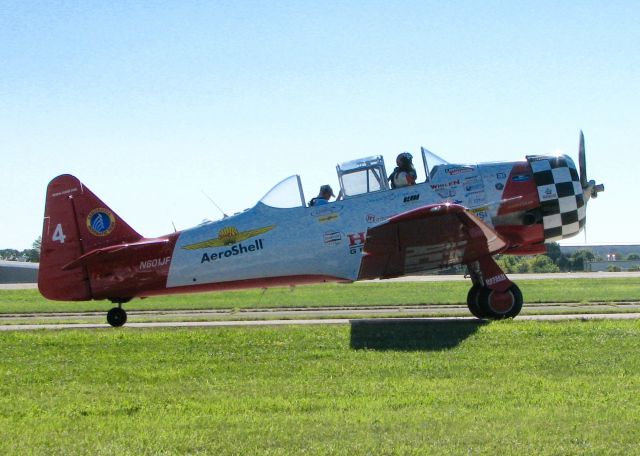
(117, 316)
(493, 295)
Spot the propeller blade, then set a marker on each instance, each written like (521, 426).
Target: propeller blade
(582, 161)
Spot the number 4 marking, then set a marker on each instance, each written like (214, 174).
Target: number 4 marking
(58, 235)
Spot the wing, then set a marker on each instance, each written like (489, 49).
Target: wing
(427, 238)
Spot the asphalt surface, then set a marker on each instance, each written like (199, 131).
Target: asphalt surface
(335, 321)
(305, 316)
(429, 310)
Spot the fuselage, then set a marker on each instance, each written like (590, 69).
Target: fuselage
(270, 246)
(266, 246)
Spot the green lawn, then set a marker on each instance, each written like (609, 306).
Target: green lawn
(357, 294)
(511, 387)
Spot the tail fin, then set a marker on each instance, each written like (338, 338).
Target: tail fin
(75, 222)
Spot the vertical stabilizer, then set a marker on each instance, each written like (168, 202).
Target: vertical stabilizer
(75, 222)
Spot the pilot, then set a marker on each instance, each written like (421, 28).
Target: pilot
(325, 193)
(404, 174)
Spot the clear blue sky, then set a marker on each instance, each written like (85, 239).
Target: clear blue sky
(151, 103)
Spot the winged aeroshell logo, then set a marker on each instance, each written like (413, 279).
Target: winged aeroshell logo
(227, 236)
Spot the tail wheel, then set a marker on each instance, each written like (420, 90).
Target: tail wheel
(500, 304)
(117, 317)
(472, 302)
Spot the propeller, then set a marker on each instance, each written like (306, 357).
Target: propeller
(589, 187)
(582, 160)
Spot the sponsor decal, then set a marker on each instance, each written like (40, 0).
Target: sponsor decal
(477, 200)
(461, 170)
(152, 264)
(372, 218)
(473, 187)
(549, 195)
(475, 192)
(495, 279)
(521, 178)
(447, 193)
(101, 222)
(228, 236)
(410, 198)
(326, 210)
(501, 176)
(356, 242)
(480, 212)
(328, 217)
(238, 249)
(65, 192)
(332, 237)
(452, 183)
(499, 186)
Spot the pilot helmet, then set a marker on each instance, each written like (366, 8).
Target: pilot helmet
(326, 189)
(404, 159)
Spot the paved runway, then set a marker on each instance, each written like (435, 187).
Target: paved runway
(428, 310)
(275, 317)
(327, 321)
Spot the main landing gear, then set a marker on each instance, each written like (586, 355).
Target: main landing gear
(493, 296)
(117, 316)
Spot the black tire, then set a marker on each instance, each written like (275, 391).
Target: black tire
(472, 302)
(499, 305)
(117, 317)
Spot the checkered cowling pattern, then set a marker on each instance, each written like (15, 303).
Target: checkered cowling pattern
(562, 201)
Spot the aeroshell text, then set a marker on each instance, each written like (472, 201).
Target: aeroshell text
(238, 249)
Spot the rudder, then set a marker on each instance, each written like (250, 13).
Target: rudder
(76, 222)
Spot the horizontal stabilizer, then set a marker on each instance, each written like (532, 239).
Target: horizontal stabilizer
(117, 252)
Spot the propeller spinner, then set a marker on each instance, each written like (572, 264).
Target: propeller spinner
(589, 187)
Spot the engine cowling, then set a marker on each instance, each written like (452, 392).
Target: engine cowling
(562, 204)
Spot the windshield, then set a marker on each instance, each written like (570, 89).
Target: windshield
(431, 162)
(287, 193)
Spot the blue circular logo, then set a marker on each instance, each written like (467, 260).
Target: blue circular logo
(101, 222)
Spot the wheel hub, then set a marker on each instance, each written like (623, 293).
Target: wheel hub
(501, 302)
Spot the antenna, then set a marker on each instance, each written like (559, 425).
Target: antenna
(224, 216)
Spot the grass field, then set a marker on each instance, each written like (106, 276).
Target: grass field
(332, 295)
(509, 387)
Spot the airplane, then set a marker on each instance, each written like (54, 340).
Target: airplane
(461, 214)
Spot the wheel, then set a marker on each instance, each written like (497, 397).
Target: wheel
(472, 302)
(498, 305)
(117, 317)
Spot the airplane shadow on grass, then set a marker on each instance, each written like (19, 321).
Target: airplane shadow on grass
(411, 334)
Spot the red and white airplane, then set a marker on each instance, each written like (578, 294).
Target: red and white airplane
(461, 214)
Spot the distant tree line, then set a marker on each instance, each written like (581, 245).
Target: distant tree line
(552, 261)
(31, 255)
(555, 261)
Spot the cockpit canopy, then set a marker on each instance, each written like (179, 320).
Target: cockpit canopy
(364, 175)
(368, 174)
(356, 177)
